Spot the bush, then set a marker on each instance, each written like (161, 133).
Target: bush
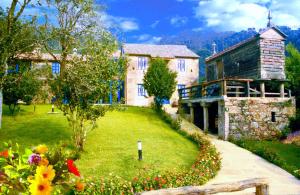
(294, 124)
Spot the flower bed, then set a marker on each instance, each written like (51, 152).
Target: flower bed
(38, 170)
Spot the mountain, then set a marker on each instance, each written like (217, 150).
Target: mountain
(201, 41)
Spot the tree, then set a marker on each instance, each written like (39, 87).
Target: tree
(88, 70)
(159, 81)
(16, 36)
(22, 85)
(292, 69)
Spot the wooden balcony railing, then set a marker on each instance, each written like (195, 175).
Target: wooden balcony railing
(232, 88)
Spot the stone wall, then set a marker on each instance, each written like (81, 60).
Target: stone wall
(272, 59)
(252, 117)
(135, 76)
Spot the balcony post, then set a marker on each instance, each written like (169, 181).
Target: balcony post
(224, 86)
(248, 89)
(262, 90)
(205, 116)
(282, 90)
(191, 112)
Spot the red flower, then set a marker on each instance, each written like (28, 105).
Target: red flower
(72, 168)
(4, 154)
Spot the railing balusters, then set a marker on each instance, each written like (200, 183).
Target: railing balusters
(230, 87)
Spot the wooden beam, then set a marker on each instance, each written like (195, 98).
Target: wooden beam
(261, 185)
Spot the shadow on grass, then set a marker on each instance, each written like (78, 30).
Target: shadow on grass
(33, 131)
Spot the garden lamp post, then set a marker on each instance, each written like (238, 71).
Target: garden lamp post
(139, 143)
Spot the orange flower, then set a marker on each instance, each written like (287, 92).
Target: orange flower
(4, 154)
(79, 186)
(43, 162)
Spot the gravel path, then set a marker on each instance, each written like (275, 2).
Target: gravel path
(239, 164)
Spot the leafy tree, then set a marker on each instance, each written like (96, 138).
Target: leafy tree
(22, 85)
(159, 81)
(292, 68)
(87, 75)
(16, 36)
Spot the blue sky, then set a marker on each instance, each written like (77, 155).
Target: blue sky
(148, 21)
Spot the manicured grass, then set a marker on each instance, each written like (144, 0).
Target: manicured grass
(112, 146)
(287, 156)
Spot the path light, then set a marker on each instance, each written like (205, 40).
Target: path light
(139, 143)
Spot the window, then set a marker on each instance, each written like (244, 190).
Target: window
(142, 63)
(273, 117)
(180, 86)
(183, 92)
(141, 90)
(55, 68)
(181, 65)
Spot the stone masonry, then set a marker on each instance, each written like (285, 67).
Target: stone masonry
(252, 117)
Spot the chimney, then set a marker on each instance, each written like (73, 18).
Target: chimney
(214, 45)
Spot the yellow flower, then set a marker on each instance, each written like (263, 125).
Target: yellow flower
(43, 162)
(41, 149)
(40, 187)
(45, 172)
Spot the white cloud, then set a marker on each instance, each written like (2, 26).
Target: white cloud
(146, 38)
(242, 14)
(125, 24)
(178, 21)
(154, 24)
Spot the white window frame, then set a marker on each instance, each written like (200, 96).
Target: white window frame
(142, 63)
(181, 65)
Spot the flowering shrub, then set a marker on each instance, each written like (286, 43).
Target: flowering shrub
(38, 170)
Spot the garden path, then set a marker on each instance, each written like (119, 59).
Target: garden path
(240, 164)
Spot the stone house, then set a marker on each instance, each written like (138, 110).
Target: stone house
(131, 90)
(244, 94)
(180, 59)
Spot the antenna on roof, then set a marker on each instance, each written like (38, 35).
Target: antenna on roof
(269, 19)
(214, 45)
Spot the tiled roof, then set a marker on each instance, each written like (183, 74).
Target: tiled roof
(162, 51)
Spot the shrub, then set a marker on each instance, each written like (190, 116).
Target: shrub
(294, 124)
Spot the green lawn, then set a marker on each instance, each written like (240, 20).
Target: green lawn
(286, 156)
(112, 146)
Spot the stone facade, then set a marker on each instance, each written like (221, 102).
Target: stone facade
(272, 58)
(258, 118)
(135, 76)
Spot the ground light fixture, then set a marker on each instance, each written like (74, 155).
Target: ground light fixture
(140, 153)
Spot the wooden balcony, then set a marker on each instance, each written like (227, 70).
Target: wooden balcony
(235, 88)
